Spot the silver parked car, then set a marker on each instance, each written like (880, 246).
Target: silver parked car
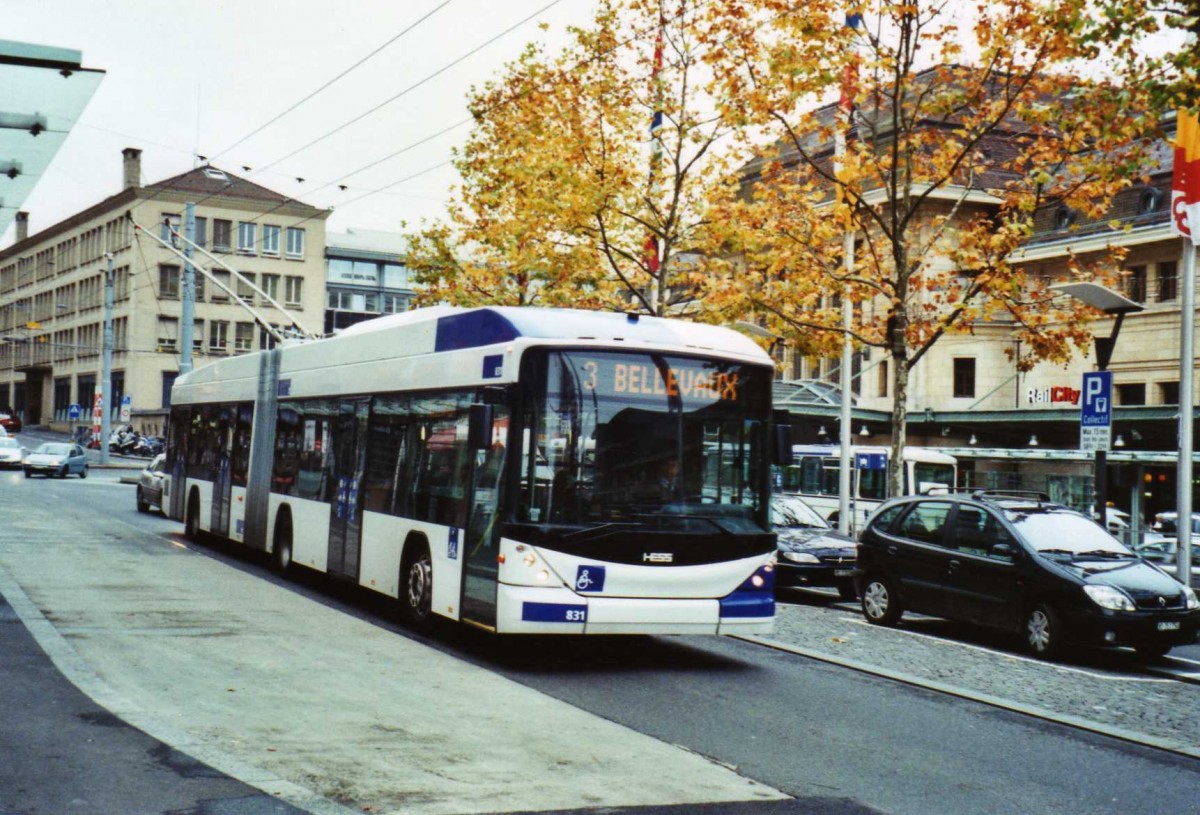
(11, 453)
(150, 485)
(56, 458)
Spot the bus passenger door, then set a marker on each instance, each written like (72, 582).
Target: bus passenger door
(221, 439)
(347, 444)
(480, 569)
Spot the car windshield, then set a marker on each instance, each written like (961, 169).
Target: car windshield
(7, 443)
(1063, 532)
(53, 449)
(792, 512)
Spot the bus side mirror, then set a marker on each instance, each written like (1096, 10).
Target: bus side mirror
(479, 434)
(783, 445)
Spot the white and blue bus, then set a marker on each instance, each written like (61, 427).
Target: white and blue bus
(522, 470)
(814, 471)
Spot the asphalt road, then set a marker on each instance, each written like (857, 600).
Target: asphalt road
(833, 739)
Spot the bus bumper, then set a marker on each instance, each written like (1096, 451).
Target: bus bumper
(529, 610)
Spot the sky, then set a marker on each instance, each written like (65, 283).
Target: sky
(200, 78)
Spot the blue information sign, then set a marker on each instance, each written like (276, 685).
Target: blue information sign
(74, 412)
(1096, 406)
(870, 461)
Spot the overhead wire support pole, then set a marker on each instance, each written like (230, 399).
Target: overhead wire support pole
(258, 318)
(187, 311)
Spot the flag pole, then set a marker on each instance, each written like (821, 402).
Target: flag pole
(1187, 357)
(845, 116)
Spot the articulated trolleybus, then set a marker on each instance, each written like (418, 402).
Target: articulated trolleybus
(522, 470)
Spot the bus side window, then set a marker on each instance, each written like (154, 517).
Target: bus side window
(386, 430)
(810, 475)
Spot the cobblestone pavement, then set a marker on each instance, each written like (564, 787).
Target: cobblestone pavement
(1108, 691)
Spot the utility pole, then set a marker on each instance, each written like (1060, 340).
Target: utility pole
(187, 314)
(106, 374)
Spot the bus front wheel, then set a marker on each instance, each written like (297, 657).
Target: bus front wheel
(416, 587)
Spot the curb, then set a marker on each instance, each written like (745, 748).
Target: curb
(1168, 745)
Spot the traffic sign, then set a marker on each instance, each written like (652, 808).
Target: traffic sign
(1095, 412)
(74, 412)
(126, 406)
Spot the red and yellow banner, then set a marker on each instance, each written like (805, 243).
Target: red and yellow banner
(1185, 186)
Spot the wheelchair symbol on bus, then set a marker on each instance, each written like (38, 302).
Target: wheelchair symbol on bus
(589, 579)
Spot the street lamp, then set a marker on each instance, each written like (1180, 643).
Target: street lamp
(1115, 305)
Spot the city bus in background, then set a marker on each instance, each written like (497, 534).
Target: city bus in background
(522, 470)
(813, 474)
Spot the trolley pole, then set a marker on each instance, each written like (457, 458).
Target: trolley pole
(106, 374)
(187, 312)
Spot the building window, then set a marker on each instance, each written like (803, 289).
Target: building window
(246, 240)
(1135, 284)
(198, 337)
(168, 333)
(220, 292)
(164, 232)
(964, 377)
(201, 237)
(294, 290)
(337, 300)
(168, 380)
(168, 282)
(218, 336)
(1168, 393)
(1064, 217)
(1133, 393)
(270, 242)
(270, 285)
(1149, 201)
(371, 303)
(243, 340)
(295, 242)
(244, 291)
(884, 380)
(1168, 281)
(221, 234)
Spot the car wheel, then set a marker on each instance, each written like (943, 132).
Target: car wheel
(845, 590)
(63, 472)
(142, 504)
(1043, 632)
(1149, 652)
(416, 587)
(83, 472)
(28, 474)
(880, 602)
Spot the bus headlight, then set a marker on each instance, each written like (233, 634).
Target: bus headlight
(1189, 598)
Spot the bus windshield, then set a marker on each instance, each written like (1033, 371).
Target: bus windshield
(613, 436)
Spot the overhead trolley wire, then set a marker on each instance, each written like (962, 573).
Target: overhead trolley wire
(279, 116)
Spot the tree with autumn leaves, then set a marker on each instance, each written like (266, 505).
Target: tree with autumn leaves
(568, 196)
(761, 197)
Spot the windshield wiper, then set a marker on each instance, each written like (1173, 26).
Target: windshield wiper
(1104, 553)
(1067, 552)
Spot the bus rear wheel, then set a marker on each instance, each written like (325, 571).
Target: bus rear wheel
(416, 587)
(282, 545)
(191, 523)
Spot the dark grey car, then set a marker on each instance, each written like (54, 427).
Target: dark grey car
(1022, 565)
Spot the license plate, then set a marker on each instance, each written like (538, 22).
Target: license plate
(1169, 626)
(843, 573)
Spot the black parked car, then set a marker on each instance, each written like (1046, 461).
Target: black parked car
(809, 551)
(1021, 564)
